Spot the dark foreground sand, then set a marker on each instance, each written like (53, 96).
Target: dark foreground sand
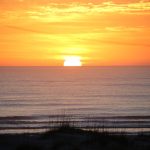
(67, 138)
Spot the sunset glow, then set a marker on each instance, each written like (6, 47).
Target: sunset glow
(42, 32)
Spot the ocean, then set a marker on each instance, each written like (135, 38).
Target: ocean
(32, 98)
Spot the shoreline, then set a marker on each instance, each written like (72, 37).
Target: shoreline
(17, 124)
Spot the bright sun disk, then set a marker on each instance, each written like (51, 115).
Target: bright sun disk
(72, 61)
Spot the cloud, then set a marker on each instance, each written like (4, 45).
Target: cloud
(80, 5)
(118, 42)
(46, 10)
(95, 8)
(25, 29)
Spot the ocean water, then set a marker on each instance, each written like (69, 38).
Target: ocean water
(32, 97)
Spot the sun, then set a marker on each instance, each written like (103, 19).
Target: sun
(72, 61)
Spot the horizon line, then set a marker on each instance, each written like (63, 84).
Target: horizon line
(85, 66)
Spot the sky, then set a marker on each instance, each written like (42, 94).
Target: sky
(100, 32)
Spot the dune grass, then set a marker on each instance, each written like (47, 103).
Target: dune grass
(68, 136)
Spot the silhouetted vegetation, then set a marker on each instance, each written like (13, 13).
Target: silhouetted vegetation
(67, 137)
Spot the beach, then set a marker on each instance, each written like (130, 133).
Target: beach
(71, 138)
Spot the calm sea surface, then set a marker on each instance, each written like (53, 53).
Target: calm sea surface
(30, 97)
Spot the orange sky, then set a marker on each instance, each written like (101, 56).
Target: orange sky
(101, 32)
